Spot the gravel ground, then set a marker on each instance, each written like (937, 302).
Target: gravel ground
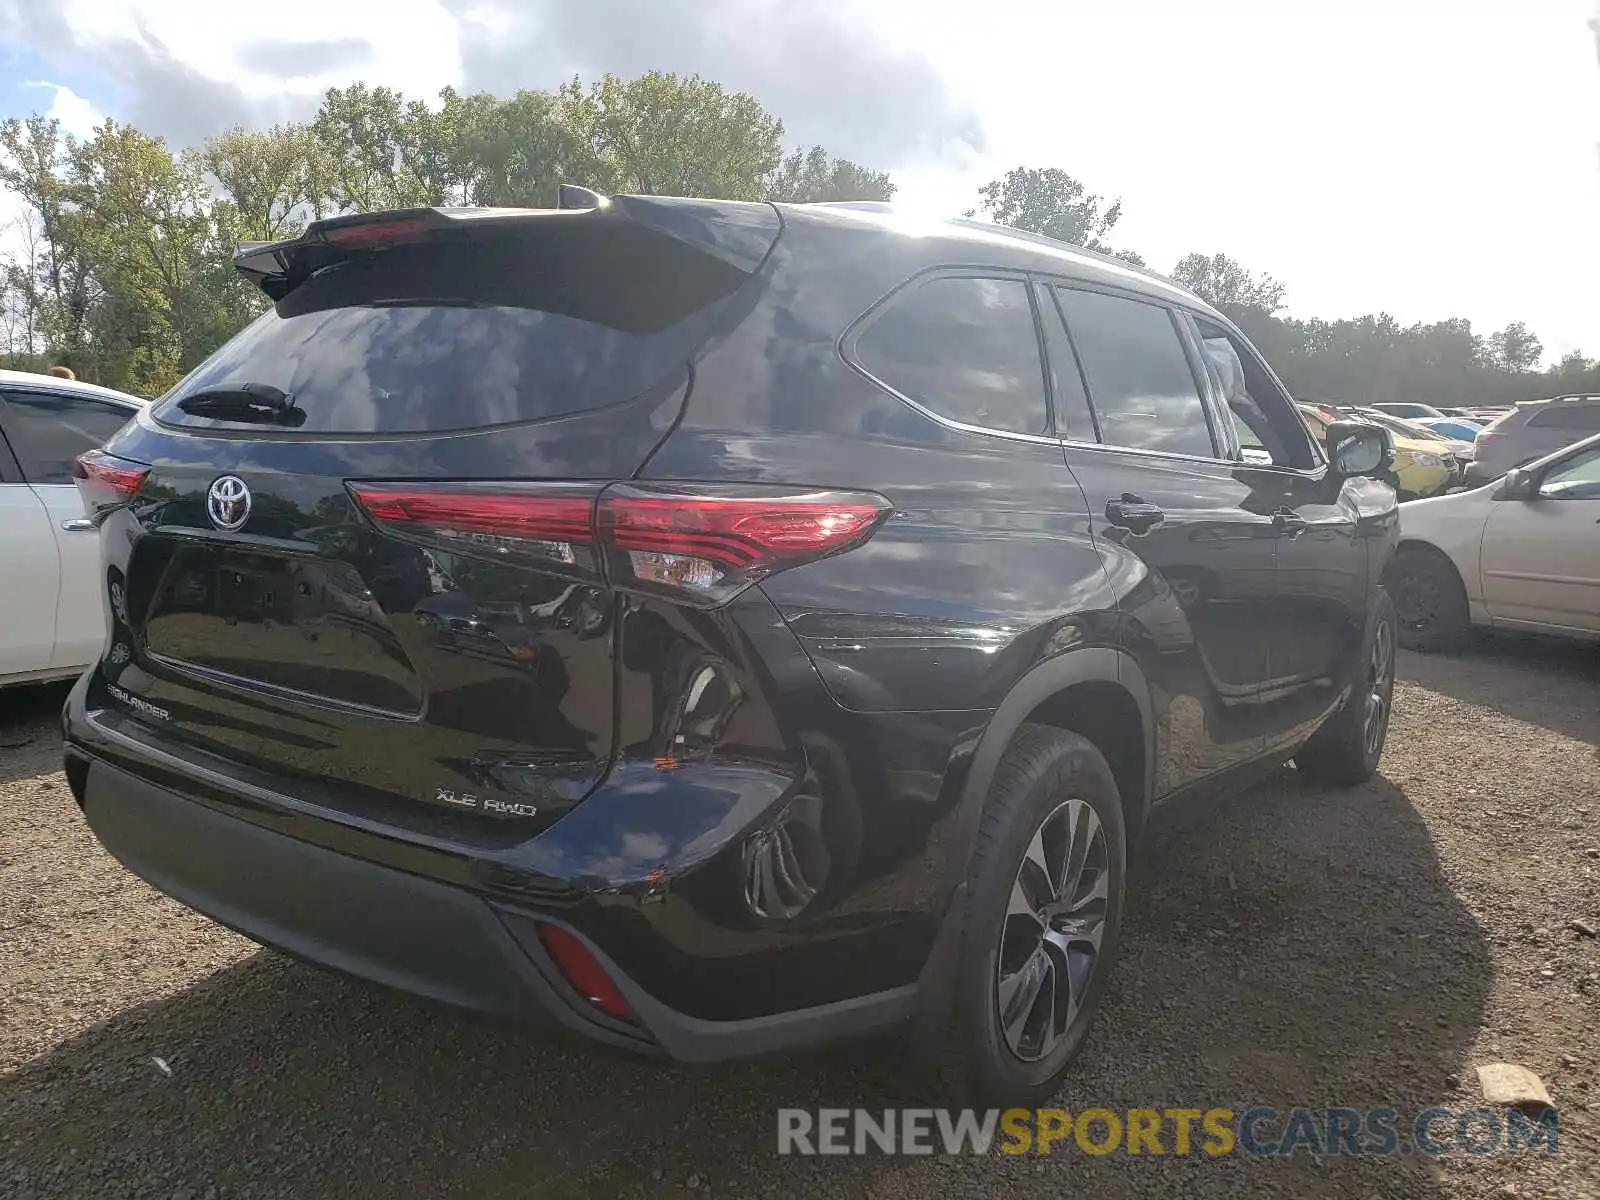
(1284, 946)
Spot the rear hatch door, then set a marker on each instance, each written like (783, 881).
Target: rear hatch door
(362, 555)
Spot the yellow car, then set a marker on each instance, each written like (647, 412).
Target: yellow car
(1421, 467)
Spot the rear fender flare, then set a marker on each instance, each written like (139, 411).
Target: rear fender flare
(1095, 664)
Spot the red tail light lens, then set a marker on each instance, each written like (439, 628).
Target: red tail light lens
(542, 524)
(705, 543)
(583, 971)
(699, 544)
(105, 481)
(366, 235)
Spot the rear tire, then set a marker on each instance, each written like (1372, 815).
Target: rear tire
(1346, 750)
(1043, 901)
(1429, 598)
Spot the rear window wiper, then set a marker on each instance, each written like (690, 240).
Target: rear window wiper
(255, 403)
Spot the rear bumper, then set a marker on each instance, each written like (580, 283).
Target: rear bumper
(378, 922)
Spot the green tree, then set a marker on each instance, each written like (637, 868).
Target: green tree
(1226, 284)
(1515, 349)
(379, 151)
(274, 179)
(1051, 202)
(666, 134)
(810, 176)
(144, 219)
(518, 150)
(49, 290)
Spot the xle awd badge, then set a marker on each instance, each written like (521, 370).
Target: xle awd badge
(228, 503)
(505, 808)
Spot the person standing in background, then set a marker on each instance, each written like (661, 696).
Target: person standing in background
(61, 372)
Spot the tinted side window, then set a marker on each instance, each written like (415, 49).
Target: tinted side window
(1582, 417)
(965, 348)
(1073, 419)
(1576, 479)
(48, 431)
(1140, 384)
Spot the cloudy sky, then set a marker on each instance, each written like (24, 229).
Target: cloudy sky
(1432, 158)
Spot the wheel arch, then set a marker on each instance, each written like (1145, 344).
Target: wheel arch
(1058, 691)
(1094, 692)
(1414, 543)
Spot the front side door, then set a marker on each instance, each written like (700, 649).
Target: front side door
(47, 430)
(1187, 541)
(1314, 628)
(1541, 556)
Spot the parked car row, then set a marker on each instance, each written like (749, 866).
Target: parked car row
(1507, 437)
(1425, 463)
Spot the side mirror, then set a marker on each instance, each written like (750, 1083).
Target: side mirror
(1359, 449)
(1519, 484)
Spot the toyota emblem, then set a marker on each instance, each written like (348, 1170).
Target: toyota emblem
(228, 503)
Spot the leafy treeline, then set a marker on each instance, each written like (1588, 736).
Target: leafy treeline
(122, 264)
(1375, 359)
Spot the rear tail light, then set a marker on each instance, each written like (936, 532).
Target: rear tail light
(536, 524)
(696, 543)
(583, 971)
(705, 543)
(105, 481)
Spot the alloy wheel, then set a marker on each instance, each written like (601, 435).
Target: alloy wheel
(1054, 924)
(1380, 687)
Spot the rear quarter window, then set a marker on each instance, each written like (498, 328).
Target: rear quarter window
(1584, 418)
(963, 347)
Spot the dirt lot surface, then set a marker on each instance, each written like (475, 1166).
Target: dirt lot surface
(1284, 946)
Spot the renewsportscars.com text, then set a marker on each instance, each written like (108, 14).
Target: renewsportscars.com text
(1259, 1132)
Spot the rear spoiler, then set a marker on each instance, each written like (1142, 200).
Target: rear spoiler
(739, 233)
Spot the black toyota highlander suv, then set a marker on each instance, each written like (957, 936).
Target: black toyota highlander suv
(717, 627)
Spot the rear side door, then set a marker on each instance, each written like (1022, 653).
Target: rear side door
(32, 573)
(1187, 540)
(1314, 628)
(1541, 556)
(48, 430)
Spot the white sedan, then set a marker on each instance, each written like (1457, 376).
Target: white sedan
(1520, 553)
(52, 623)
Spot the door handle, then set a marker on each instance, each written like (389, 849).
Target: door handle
(1132, 513)
(78, 525)
(1286, 520)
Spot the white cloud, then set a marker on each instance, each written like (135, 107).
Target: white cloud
(78, 116)
(413, 43)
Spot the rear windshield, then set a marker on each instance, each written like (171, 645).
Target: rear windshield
(465, 334)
